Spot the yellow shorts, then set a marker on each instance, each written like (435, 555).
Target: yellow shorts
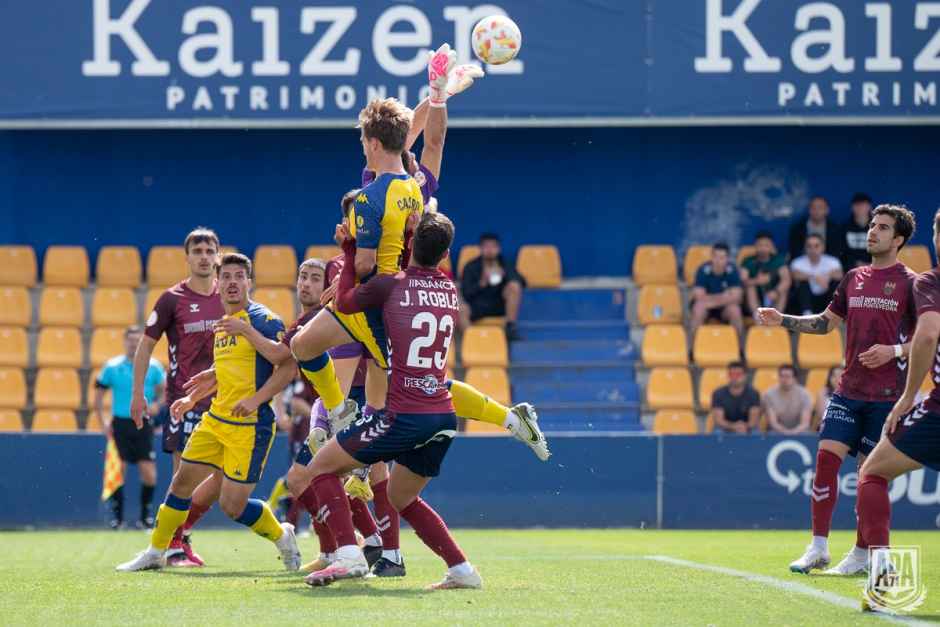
(367, 328)
(238, 450)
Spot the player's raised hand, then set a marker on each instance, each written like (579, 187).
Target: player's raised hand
(440, 64)
(877, 356)
(462, 77)
(329, 293)
(412, 222)
(180, 406)
(232, 326)
(138, 408)
(245, 407)
(768, 317)
(900, 409)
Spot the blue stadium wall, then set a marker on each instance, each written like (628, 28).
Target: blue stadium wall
(596, 193)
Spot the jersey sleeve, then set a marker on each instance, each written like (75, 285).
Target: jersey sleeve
(367, 219)
(104, 379)
(840, 304)
(700, 280)
(734, 277)
(430, 185)
(161, 318)
(333, 267)
(269, 325)
(927, 293)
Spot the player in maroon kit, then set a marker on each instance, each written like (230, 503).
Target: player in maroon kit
(186, 313)
(876, 302)
(419, 307)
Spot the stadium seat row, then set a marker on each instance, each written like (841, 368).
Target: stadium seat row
(671, 387)
(62, 347)
(46, 421)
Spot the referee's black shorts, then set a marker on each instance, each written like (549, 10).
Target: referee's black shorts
(133, 444)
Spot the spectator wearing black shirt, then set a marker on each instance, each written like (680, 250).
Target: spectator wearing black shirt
(491, 287)
(855, 248)
(717, 293)
(816, 222)
(736, 406)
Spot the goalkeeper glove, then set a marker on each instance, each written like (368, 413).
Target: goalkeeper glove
(440, 64)
(461, 77)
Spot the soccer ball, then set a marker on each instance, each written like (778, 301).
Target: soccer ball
(496, 40)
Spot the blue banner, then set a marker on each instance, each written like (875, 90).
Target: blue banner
(185, 62)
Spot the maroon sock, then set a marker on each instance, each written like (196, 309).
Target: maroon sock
(874, 511)
(293, 512)
(334, 508)
(308, 500)
(362, 517)
(196, 511)
(386, 515)
(825, 491)
(433, 532)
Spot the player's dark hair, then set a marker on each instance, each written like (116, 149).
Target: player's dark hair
(133, 329)
(904, 222)
(433, 237)
(816, 236)
(858, 197)
(388, 121)
(493, 237)
(819, 197)
(786, 367)
(346, 203)
(722, 246)
(236, 259)
(737, 364)
(764, 235)
(201, 235)
(407, 161)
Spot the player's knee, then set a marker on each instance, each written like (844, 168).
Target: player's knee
(299, 347)
(399, 500)
(232, 506)
(297, 481)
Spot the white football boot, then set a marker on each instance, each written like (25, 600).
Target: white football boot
(455, 582)
(528, 431)
(341, 568)
(287, 545)
(854, 563)
(149, 559)
(341, 416)
(813, 558)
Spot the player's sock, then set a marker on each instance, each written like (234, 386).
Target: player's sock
(170, 517)
(433, 532)
(362, 518)
(117, 507)
(277, 492)
(825, 492)
(309, 502)
(387, 517)
(146, 502)
(334, 510)
(322, 376)
(463, 569)
(874, 511)
(196, 511)
(260, 519)
(472, 404)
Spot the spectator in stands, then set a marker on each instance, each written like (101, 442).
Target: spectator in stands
(736, 406)
(135, 446)
(717, 292)
(816, 222)
(822, 401)
(815, 277)
(855, 246)
(788, 407)
(765, 275)
(491, 287)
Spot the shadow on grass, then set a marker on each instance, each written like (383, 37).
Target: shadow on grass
(355, 588)
(199, 573)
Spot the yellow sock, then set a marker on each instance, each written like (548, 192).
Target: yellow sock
(277, 492)
(472, 404)
(258, 517)
(322, 375)
(170, 516)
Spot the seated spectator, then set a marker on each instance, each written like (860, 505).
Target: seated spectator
(765, 276)
(855, 246)
(736, 406)
(717, 292)
(491, 287)
(816, 222)
(788, 407)
(815, 277)
(822, 401)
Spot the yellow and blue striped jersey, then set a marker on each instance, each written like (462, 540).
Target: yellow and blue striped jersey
(379, 216)
(241, 370)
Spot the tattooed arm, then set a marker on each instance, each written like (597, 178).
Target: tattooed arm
(817, 324)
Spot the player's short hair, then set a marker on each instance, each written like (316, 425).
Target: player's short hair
(737, 364)
(819, 197)
(858, 197)
(388, 121)
(721, 246)
(492, 237)
(313, 262)
(133, 329)
(201, 235)
(347, 201)
(816, 236)
(407, 160)
(904, 222)
(764, 235)
(784, 367)
(433, 237)
(235, 259)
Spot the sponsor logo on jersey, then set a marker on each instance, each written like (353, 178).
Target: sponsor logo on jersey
(427, 384)
(873, 302)
(889, 288)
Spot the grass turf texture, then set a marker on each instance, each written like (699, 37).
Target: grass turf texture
(530, 577)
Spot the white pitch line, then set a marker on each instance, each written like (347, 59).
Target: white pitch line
(789, 586)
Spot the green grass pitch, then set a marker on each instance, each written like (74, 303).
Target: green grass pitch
(584, 577)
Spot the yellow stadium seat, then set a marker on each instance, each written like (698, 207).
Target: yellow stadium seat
(445, 265)
(161, 351)
(57, 388)
(716, 345)
(540, 265)
(816, 381)
(65, 265)
(10, 421)
(55, 421)
(61, 306)
(475, 427)
(669, 388)
(665, 345)
(118, 266)
(152, 295)
(166, 266)
(492, 321)
(764, 379)
(227, 250)
(92, 424)
(90, 392)
(767, 346)
(12, 388)
(917, 258)
(654, 265)
(819, 351)
(744, 252)
(59, 347)
(491, 381)
(467, 254)
(710, 380)
(106, 342)
(485, 346)
(323, 252)
(279, 300)
(695, 256)
(113, 306)
(18, 266)
(17, 308)
(659, 304)
(275, 266)
(14, 347)
(675, 422)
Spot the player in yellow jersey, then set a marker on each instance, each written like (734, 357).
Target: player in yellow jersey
(236, 434)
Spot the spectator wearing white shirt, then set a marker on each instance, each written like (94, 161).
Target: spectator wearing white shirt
(815, 277)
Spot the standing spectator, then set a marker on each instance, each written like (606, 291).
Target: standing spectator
(815, 277)
(788, 407)
(736, 406)
(491, 287)
(717, 292)
(855, 246)
(816, 222)
(135, 446)
(765, 275)
(822, 401)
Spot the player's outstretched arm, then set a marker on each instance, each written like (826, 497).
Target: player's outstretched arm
(817, 324)
(418, 120)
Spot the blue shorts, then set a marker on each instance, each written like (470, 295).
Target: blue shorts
(857, 424)
(918, 436)
(417, 441)
(304, 456)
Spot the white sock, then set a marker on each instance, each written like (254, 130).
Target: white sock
(859, 553)
(512, 421)
(374, 540)
(349, 552)
(821, 542)
(463, 569)
(154, 551)
(392, 555)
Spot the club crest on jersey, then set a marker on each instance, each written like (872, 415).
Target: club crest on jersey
(193, 307)
(427, 384)
(889, 288)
